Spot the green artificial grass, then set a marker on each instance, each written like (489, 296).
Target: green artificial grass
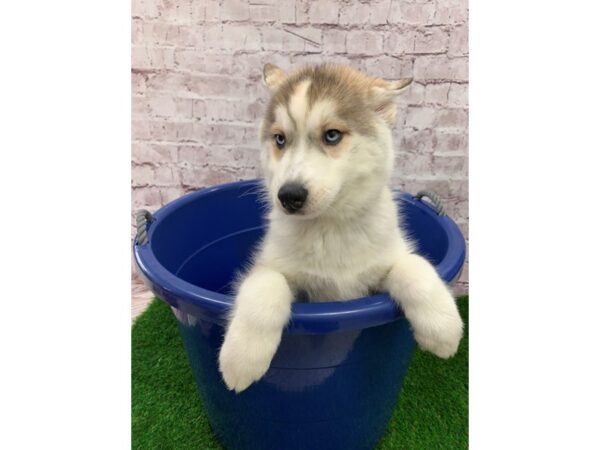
(167, 413)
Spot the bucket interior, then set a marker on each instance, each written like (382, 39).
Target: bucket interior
(209, 240)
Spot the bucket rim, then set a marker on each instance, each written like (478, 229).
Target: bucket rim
(318, 317)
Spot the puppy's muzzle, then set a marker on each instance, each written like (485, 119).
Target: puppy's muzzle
(292, 197)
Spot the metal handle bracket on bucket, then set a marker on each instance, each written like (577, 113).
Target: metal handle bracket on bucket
(142, 217)
(437, 203)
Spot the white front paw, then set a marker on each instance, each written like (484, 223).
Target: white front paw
(245, 357)
(440, 333)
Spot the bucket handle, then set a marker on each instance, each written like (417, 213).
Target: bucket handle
(437, 203)
(143, 217)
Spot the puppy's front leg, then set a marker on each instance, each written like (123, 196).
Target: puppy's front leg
(261, 311)
(427, 304)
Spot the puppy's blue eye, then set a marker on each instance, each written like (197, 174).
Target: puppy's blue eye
(279, 140)
(332, 137)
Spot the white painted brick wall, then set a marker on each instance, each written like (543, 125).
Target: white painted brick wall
(198, 97)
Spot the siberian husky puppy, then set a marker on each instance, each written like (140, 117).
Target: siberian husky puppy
(333, 231)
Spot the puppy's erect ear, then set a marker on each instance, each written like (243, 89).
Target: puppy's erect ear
(383, 93)
(273, 76)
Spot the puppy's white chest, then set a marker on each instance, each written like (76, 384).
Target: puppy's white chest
(331, 264)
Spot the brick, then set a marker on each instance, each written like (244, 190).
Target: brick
(421, 117)
(212, 10)
(206, 176)
(255, 111)
(142, 176)
(213, 36)
(264, 13)
(252, 39)
(232, 37)
(448, 189)
(353, 61)
(178, 12)
(451, 141)
(458, 95)
(193, 156)
(152, 58)
(170, 131)
(323, 11)
(441, 68)
(162, 106)
(291, 40)
(399, 43)
(379, 11)
(449, 165)
(287, 11)
(302, 8)
(153, 197)
(176, 83)
(364, 42)
(168, 194)
(226, 134)
(272, 40)
(200, 85)
(138, 82)
(225, 156)
(459, 41)
(227, 110)
(251, 65)
(451, 12)
(165, 176)
(388, 67)
(415, 140)
(306, 59)
(244, 65)
(437, 94)
(137, 31)
(456, 209)
(401, 113)
(162, 130)
(145, 8)
(194, 176)
(188, 36)
(334, 41)
(153, 154)
(452, 118)
(414, 96)
(311, 38)
(248, 173)
(431, 40)
(197, 11)
(235, 10)
(247, 157)
(146, 198)
(412, 13)
(167, 34)
(192, 59)
(414, 163)
(353, 13)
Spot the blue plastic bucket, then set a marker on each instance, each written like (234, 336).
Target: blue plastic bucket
(336, 377)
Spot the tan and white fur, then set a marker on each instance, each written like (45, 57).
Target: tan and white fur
(343, 240)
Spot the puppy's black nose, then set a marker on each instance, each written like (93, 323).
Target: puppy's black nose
(292, 196)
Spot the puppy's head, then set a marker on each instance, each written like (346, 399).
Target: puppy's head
(326, 139)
